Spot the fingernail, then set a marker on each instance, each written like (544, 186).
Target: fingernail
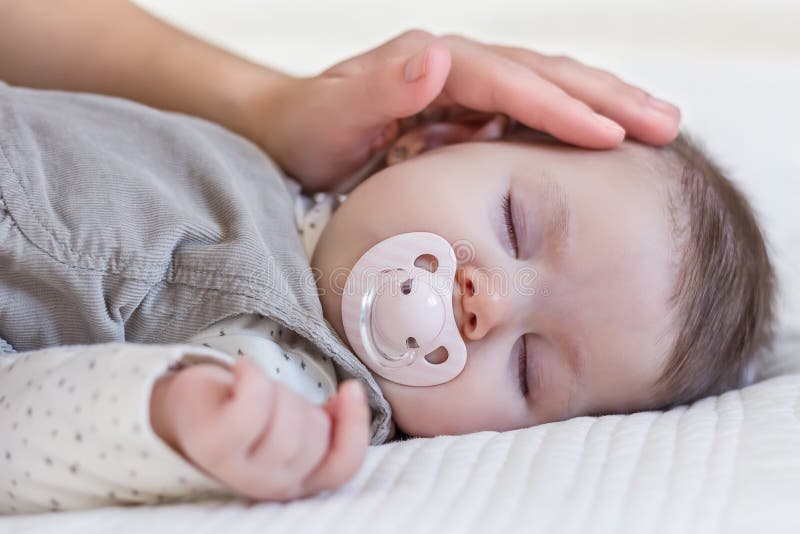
(609, 125)
(663, 107)
(415, 67)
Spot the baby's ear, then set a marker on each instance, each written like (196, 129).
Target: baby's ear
(429, 136)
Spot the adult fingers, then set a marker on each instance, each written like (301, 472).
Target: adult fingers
(487, 81)
(643, 116)
(397, 79)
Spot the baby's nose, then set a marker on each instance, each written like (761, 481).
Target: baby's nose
(483, 306)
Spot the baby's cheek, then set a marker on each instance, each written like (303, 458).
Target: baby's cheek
(424, 411)
(405, 405)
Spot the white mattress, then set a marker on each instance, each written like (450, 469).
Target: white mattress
(728, 464)
(724, 465)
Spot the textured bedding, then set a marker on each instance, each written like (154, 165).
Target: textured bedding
(725, 464)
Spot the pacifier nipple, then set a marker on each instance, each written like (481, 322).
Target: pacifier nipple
(410, 315)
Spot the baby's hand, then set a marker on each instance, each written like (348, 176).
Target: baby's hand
(256, 435)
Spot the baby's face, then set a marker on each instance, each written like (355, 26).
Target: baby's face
(587, 280)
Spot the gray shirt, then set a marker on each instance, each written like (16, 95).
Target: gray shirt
(126, 223)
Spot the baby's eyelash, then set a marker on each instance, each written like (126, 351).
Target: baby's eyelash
(512, 232)
(523, 368)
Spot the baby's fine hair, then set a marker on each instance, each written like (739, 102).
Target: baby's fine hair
(725, 289)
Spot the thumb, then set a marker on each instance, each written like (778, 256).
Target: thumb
(396, 87)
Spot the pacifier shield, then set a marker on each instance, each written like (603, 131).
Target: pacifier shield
(395, 312)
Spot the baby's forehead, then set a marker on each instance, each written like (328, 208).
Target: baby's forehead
(631, 178)
(655, 165)
(658, 159)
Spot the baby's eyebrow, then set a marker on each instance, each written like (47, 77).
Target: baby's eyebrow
(558, 224)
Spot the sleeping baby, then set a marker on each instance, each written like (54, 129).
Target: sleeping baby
(586, 282)
(478, 276)
(581, 284)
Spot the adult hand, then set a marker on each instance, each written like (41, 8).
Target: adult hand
(319, 129)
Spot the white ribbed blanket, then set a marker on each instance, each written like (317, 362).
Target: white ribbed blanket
(723, 465)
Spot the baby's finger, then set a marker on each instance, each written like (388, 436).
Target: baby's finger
(644, 117)
(510, 87)
(349, 438)
(249, 410)
(193, 400)
(290, 448)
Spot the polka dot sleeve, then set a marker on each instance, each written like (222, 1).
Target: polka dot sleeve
(75, 427)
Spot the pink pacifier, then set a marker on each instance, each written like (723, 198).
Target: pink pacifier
(397, 310)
